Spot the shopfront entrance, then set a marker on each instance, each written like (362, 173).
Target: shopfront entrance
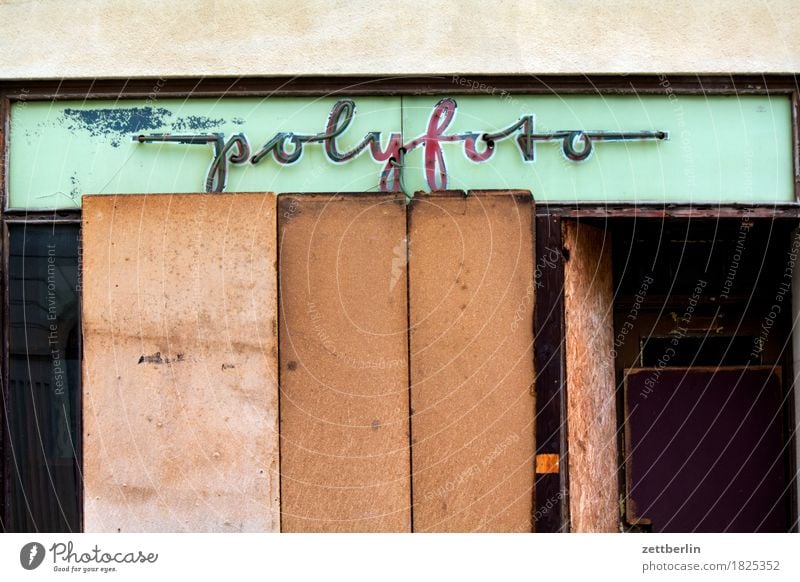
(543, 310)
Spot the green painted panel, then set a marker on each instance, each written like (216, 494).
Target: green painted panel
(59, 151)
(721, 148)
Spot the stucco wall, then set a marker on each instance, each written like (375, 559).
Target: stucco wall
(133, 38)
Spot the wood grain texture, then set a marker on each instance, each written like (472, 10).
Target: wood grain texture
(180, 376)
(344, 364)
(471, 298)
(591, 409)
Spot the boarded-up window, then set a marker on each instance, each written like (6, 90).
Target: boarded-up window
(472, 382)
(344, 364)
(386, 387)
(180, 376)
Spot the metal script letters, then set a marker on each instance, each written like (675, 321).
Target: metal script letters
(286, 148)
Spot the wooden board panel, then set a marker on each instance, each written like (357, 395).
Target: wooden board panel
(471, 293)
(591, 408)
(180, 378)
(344, 371)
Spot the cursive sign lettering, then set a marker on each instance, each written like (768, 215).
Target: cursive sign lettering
(286, 148)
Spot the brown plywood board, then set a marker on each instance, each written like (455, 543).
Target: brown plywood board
(180, 376)
(344, 371)
(471, 296)
(591, 408)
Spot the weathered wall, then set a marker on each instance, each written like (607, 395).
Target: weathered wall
(135, 38)
(180, 387)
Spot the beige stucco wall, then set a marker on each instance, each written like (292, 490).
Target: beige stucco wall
(132, 38)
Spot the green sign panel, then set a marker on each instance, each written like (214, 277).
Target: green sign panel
(577, 148)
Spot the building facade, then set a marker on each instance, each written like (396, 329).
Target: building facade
(370, 268)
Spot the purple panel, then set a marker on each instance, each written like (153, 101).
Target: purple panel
(706, 450)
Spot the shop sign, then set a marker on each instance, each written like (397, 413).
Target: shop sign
(563, 148)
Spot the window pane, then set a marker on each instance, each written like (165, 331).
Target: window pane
(44, 378)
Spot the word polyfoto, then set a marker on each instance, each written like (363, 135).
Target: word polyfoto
(286, 148)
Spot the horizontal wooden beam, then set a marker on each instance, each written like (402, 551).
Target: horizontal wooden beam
(400, 85)
(58, 216)
(639, 210)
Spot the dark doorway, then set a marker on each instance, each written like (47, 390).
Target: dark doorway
(702, 356)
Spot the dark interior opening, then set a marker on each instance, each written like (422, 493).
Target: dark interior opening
(43, 391)
(699, 350)
(702, 329)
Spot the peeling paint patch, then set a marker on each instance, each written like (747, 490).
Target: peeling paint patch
(74, 191)
(32, 135)
(157, 358)
(197, 123)
(118, 124)
(153, 359)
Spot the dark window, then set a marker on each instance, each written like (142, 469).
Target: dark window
(43, 392)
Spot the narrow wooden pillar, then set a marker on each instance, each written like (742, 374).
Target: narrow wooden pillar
(591, 401)
(551, 508)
